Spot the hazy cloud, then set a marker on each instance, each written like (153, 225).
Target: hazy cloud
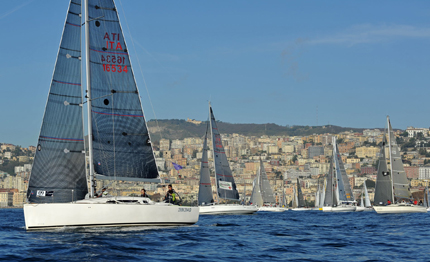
(372, 34)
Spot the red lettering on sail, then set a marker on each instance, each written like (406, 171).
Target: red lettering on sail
(118, 46)
(115, 34)
(106, 36)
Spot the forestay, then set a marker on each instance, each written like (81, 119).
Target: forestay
(58, 173)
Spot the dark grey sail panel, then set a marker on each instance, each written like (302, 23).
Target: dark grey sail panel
(400, 181)
(346, 185)
(256, 198)
(338, 176)
(300, 197)
(58, 173)
(383, 187)
(205, 187)
(226, 186)
(121, 142)
(330, 195)
(266, 188)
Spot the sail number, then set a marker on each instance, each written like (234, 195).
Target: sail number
(111, 59)
(114, 64)
(115, 68)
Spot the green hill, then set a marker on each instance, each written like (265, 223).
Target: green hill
(180, 129)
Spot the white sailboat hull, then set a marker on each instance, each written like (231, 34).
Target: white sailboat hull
(227, 209)
(363, 209)
(339, 209)
(271, 209)
(400, 208)
(301, 209)
(96, 213)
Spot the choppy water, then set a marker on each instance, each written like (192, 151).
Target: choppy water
(303, 236)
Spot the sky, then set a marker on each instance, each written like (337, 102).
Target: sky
(345, 63)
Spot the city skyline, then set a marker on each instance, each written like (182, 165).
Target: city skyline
(291, 63)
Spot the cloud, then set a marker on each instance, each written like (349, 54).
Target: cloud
(368, 33)
(14, 10)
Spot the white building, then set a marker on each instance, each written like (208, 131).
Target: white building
(412, 131)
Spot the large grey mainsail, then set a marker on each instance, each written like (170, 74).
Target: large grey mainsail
(343, 186)
(366, 196)
(346, 185)
(205, 188)
(58, 173)
(400, 181)
(266, 189)
(330, 190)
(226, 187)
(256, 197)
(120, 140)
(383, 187)
(300, 197)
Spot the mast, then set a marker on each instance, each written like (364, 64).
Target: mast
(391, 162)
(88, 83)
(213, 152)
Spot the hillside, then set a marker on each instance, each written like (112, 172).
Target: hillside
(179, 129)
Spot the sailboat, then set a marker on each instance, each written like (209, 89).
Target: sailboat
(262, 193)
(225, 185)
(119, 143)
(338, 194)
(391, 183)
(365, 201)
(319, 197)
(299, 203)
(426, 202)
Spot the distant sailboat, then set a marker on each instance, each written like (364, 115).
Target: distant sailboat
(426, 199)
(225, 185)
(262, 194)
(365, 201)
(119, 144)
(391, 182)
(299, 203)
(338, 194)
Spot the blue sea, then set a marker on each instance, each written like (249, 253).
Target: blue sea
(263, 236)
